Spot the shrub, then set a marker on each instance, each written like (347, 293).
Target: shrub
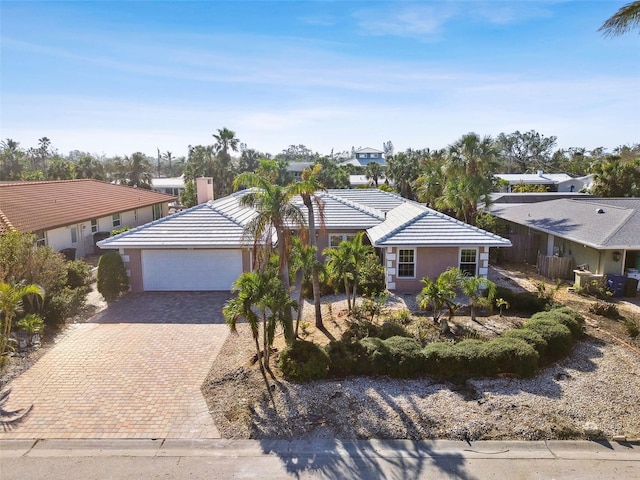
(347, 358)
(405, 357)
(304, 361)
(377, 354)
(371, 277)
(359, 329)
(441, 359)
(62, 305)
(525, 302)
(78, 274)
(558, 337)
(402, 316)
(605, 309)
(112, 276)
(393, 329)
(531, 337)
(510, 355)
(632, 327)
(569, 321)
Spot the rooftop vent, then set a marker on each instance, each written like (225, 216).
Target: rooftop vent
(599, 210)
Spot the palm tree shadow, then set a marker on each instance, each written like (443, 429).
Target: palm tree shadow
(9, 419)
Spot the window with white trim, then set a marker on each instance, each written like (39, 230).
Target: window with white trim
(94, 225)
(74, 235)
(40, 239)
(336, 239)
(116, 220)
(469, 261)
(406, 263)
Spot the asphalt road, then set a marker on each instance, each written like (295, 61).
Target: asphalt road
(322, 459)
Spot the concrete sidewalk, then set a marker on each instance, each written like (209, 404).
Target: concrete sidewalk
(332, 459)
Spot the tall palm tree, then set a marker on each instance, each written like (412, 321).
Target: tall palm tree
(137, 170)
(222, 168)
(340, 267)
(11, 297)
(226, 140)
(469, 170)
(307, 189)
(275, 213)
(304, 262)
(373, 171)
(623, 21)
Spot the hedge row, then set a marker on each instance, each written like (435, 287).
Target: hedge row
(546, 337)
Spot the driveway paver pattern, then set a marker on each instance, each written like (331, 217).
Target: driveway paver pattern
(134, 371)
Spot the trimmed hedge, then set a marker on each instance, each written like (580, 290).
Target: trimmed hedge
(525, 302)
(546, 337)
(304, 361)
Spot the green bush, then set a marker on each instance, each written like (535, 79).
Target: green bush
(347, 358)
(405, 357)
(472, 359)
(441, 359)
(569, 321)
(62, 305)
(510, 355)
(112, 276)
(377, 354)
(304, 361)
(371, 277)
(78, 274)
(531, 337)
(558, 337)
(525, 302)
(393, 329)
(359, 329)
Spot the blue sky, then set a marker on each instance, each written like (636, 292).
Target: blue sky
(118, 77)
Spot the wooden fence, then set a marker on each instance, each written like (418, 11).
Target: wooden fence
(555, 267)
(523, 250)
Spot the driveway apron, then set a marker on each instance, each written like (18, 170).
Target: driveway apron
(134, 371)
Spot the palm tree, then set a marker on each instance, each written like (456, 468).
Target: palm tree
(624, 20)
(480, 291)
(439, 294)
(359, 251)
(304, 263)
(469, 170)
(135, 170)
(12, 156)
(226, 140)
(222, 169)
(275, 214)
(11, 296)
(340, 267)
(307, 190)
(373, 171)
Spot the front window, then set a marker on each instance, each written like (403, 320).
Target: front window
(468, 261)
(116, 220)
(336, 239)
(157, 211)
(406, 263)
(94, 225)
(40, 239)
(74, 235)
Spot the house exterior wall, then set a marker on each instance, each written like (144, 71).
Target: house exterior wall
(429, 262)
(60, 238)
(132, 259)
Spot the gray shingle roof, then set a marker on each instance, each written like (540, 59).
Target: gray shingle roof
(412, 224)
(578, 220)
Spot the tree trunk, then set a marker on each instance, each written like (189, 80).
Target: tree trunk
(346, 290)
(284, 278)
(315, 280)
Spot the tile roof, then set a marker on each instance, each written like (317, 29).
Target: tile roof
(221, 223)
(368, 150)
(412, 224)
(34, 206)
(534, 178)
(597, 222)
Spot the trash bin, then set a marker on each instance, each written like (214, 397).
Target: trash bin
(69, 253)
(631, 287)
(616, 283)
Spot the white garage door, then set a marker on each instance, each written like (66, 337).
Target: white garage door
(190, 270)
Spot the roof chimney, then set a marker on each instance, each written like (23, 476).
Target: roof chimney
(204, 188)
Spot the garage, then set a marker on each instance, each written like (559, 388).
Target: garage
(190, 270)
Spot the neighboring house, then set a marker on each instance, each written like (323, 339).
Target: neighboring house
(296, 168)
(206, 247)
(364, 156)
(554, 182)
(65, 214)
(169, 185)
(600, 234)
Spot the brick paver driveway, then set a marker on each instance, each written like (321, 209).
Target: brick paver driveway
(134, 371)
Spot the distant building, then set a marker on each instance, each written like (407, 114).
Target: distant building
(554, 182)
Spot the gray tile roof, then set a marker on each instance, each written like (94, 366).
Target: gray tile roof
(412, 224)
(604, 223)
(371, 197)
(341, 212)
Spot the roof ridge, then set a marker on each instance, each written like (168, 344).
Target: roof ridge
(405, 224)
(358, 206)
(42, 182)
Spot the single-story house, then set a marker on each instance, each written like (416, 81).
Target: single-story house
(554, 182)
(601, 235)
(169, 185)
(65, 214)
(206, 247)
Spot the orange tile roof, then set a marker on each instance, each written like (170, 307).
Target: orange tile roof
(34, 206)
